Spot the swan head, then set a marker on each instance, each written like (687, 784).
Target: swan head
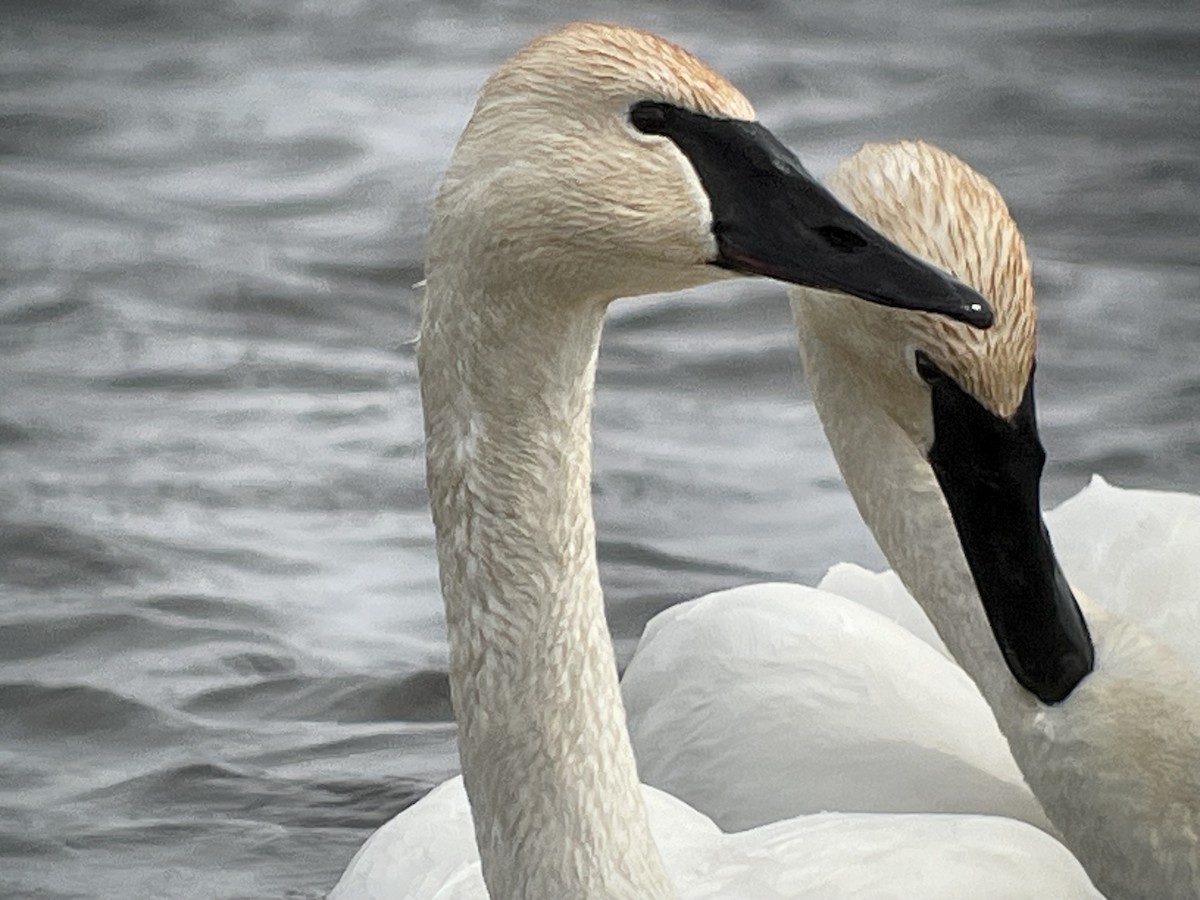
(965, 397)
(601, 162)
(941, 210)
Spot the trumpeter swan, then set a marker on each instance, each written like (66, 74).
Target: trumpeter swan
(1114, 762)
(934, 429)
(890, 723)
(602, 162)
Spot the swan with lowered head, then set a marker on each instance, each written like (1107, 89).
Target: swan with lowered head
(890, 723)
(934, 429)
(602, 162)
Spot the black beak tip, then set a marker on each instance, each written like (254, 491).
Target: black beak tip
(978, 313)
(964, 303)
(1055, 683)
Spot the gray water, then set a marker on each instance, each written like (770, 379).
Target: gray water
(221, 649)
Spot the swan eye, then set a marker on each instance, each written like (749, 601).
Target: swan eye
(840, 239)
(648, 117)
(929, 373)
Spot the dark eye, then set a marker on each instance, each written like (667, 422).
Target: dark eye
(648, 117)
(927, 370)
(841, 239)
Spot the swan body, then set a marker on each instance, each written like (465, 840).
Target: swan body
(599, 162)
(895, 725)
(428, 852)
(1134, 551)
(1102, 716)
(892, 724)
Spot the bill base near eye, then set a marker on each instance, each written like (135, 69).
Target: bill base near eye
(772, 218)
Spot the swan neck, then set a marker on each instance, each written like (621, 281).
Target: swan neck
(901, 502)
(507, 385)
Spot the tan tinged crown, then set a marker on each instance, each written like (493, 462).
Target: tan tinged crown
(934, 205)
(590, 57)
(550, 183)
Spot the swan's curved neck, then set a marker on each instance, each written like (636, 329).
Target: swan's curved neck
(901, 502)
(1113, 764)
(506, 384)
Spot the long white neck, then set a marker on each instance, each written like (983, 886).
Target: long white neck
(1115, 764)
(507, 385)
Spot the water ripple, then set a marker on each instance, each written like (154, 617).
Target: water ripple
(222, 652)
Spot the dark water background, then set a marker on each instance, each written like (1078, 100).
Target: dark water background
(221, 649)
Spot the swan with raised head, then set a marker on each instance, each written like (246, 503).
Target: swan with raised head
(602, 162)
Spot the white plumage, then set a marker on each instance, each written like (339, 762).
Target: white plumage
(891, 723)
(428, 853)
(527, 249)
(774, 700)
(1137, 553)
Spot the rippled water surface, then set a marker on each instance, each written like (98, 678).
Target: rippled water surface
(221, 649)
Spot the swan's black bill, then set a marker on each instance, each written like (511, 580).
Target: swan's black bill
(990, 472)
(772, 218)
